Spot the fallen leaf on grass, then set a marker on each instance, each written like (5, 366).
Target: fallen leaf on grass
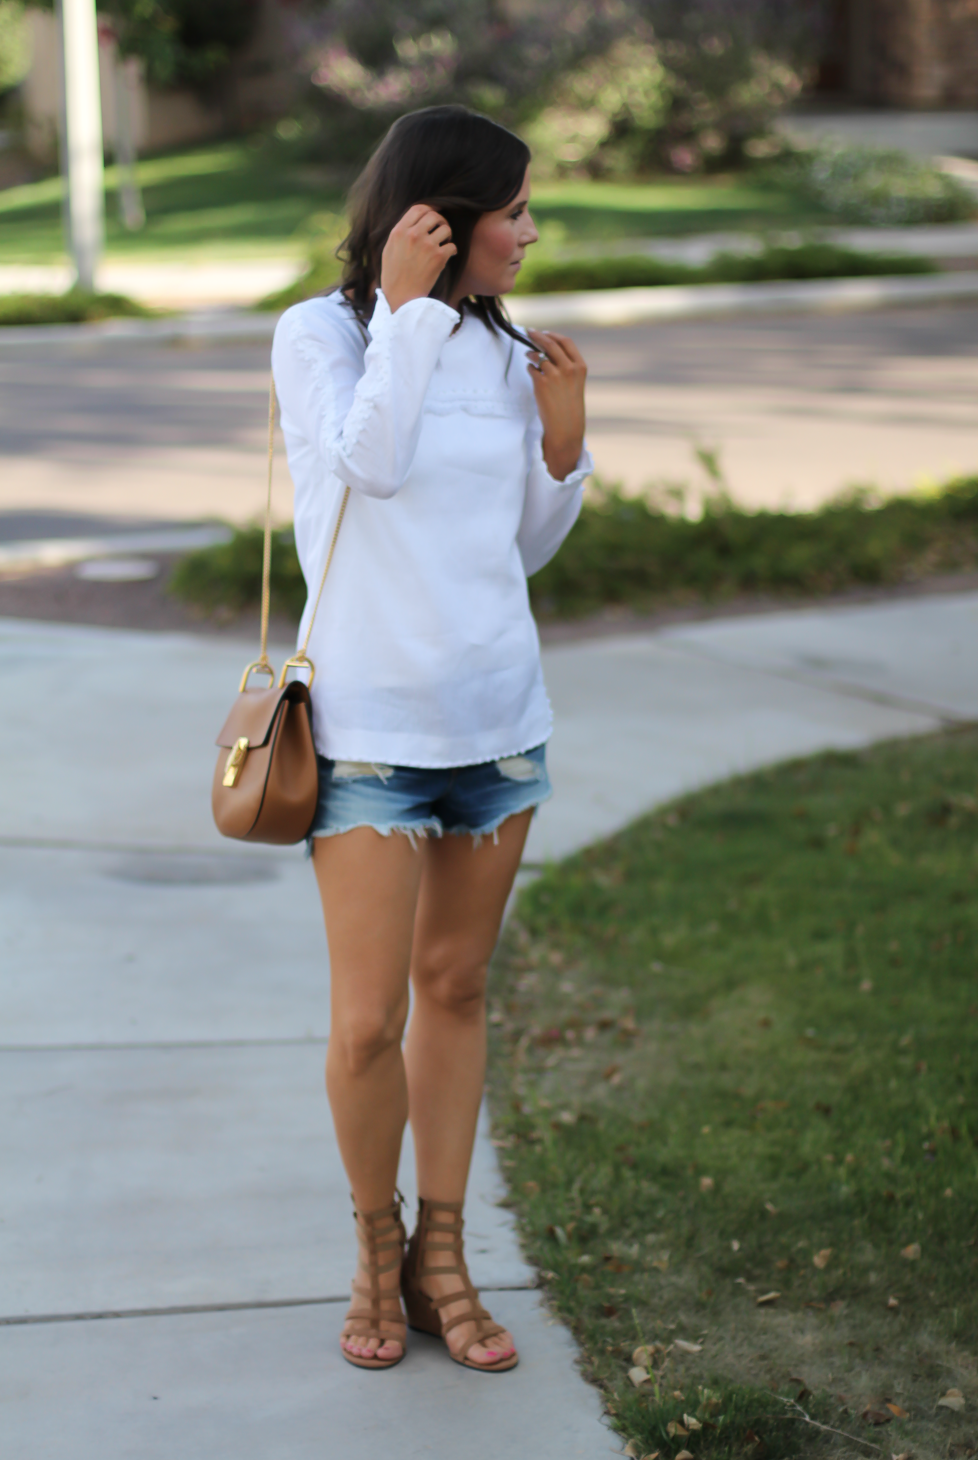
(866, 987)
(662, 1263)
(911, 1252)
(633, 1450)
(735, 1245)
(770, 1208)
(905, 1456)
(898, 1411)
(638, 1376)
(615, 1264)
(893, 1302)
(532, 1188)
(953, 1399)
(653, 1456)
(691, 1422)
(767, 1298)
(750, 1438)
(675, 1428)
(685, 1347)
(821, 1259)
(610, 1072)
(609, 1310)
(685, 1455)
(875, 1417)
(706, 1183)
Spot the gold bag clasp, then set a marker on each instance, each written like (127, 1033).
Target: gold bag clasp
(235, 761)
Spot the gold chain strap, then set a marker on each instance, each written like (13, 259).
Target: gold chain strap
(299, 660)
(266, 562)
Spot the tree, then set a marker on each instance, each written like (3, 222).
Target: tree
(616, 85)
(180, 42)
(15, 50)
(368, 61)
(732, 65)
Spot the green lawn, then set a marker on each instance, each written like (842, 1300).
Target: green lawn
(239, 199)
(229, 200)
(605, 211)
(735, 1089)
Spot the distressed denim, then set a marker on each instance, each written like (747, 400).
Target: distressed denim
(470, 800)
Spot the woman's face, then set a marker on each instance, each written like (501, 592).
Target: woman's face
(499, 242)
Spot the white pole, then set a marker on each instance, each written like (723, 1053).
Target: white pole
(83, 117)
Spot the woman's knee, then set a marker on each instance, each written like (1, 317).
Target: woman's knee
(362, 1035)
(454, 981)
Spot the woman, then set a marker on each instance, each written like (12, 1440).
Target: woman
(408, 384)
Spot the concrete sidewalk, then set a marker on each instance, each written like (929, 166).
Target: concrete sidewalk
(175, 1235)
(202, 283)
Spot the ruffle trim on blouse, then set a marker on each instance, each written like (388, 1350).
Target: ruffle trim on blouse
(502, 404)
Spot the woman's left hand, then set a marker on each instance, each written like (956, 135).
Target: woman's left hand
(558, 372)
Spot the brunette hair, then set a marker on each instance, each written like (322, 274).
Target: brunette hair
(456, 161)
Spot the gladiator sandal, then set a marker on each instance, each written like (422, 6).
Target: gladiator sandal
(380, 1232)
(423, 1312)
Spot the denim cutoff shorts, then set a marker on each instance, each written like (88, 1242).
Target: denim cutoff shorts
(468, 800)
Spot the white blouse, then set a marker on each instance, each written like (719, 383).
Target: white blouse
(425, 648)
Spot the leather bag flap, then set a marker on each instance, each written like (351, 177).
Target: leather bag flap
(253, 713)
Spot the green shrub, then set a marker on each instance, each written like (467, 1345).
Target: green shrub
(227, 578)
(795, 261)
(546, 275)
(322, 274)
(322, 234)
(881, 186)
(625, 550)
(630, 551)
(78, 306)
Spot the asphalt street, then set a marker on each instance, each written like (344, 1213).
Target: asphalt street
(797, 407)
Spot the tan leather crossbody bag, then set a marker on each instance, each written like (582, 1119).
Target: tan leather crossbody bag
(266, 782)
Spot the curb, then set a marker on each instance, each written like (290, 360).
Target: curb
(202, 327)
(59, 552)
(706, 301)
(599, 307)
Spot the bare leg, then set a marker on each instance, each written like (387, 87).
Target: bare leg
(369, 889)
(461, 902)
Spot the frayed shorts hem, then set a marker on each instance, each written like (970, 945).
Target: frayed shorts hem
(414, 830)
(418, 802)
(417, 831)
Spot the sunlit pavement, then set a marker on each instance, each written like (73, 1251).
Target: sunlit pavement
(176, 1235)
(797, 407)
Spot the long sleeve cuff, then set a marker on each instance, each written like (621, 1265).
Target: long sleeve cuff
(583, 469)
(415, 317)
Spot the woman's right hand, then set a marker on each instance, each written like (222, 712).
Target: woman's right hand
(416, 251)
